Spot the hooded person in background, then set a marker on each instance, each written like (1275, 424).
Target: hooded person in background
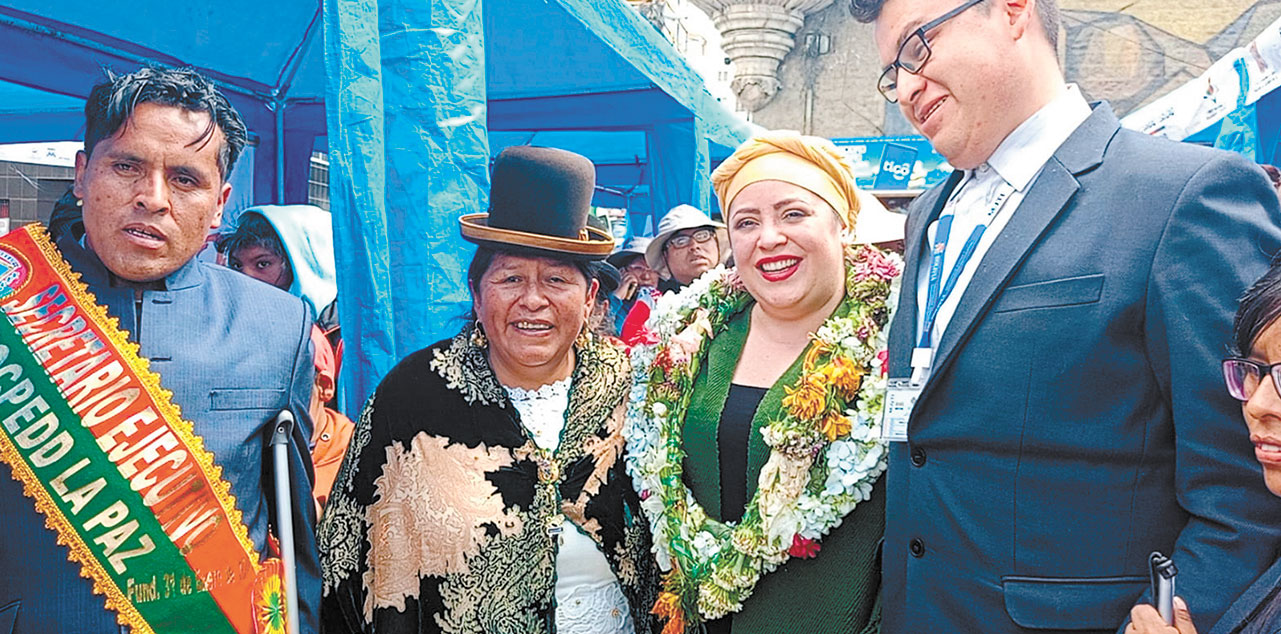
(333, 430)
(290, 247)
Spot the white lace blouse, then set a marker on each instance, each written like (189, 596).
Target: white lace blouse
(589, 599)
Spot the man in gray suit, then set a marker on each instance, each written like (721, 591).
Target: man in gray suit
(1067, 298)
(152, 179)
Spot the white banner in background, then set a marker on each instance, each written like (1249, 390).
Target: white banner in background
(1199, 103)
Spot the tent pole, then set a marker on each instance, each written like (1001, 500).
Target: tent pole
(279, 106)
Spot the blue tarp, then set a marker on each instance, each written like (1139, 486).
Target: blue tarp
(590, 76)
(408, 87)
(265, 55)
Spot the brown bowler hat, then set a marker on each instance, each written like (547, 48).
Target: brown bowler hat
(539, 199)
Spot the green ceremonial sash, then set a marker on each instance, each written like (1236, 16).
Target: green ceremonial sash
(120, 477)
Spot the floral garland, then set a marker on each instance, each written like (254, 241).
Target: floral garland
(825, 449)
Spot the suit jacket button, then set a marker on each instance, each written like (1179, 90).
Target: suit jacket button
(918, 456)
(917, 547)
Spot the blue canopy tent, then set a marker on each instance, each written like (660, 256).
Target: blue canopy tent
(596, 68)
(589, 75)
(55, 52)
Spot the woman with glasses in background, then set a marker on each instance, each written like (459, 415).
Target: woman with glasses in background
(1253, 376)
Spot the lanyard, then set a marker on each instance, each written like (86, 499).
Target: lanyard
(939, 290)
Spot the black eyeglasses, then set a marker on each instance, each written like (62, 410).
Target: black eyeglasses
(914, 52)
(1243, 377)
(682, 241)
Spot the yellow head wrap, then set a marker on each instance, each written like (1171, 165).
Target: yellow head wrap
(805, 161)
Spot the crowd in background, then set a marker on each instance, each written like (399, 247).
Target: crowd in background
(796, 412)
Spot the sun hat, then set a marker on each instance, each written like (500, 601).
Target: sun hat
(682, 217)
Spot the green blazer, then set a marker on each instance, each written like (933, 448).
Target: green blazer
(835, 592)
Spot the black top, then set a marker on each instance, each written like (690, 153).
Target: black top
(731, 439)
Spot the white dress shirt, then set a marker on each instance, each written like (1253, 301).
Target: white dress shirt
(991, 194)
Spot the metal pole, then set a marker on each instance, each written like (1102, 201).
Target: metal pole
(284, 425)
(279, 105)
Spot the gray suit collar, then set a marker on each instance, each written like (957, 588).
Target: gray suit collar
(1047, 197)
(95, 273)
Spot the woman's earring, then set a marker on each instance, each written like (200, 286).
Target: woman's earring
(478, 336)
(80, 202)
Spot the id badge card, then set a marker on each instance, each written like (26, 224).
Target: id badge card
(900, 398)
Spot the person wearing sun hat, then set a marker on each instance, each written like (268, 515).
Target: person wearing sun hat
(773, 507)
(638, 283)
(684, 248)
(485, 490)
(637, 274)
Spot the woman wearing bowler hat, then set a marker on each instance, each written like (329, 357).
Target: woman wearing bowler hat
(484, 490)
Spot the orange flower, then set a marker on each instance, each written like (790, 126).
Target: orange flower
(817, 349)
(808, 400)
(835, 425)
(844, 375)
(676, 625)
(668, 606)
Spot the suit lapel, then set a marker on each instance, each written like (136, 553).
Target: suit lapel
(1049, 195)
(903, 328)
(1053, 189)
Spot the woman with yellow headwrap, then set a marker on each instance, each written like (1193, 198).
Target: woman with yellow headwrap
(752, 431)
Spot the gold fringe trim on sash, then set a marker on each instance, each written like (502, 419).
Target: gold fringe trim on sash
(77, 551)
(151, 382)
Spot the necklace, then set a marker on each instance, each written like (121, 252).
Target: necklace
(825, 447)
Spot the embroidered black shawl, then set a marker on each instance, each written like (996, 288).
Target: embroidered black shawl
(437, 523)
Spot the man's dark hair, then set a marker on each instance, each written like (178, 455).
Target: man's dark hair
(112, 102)
(1260, 306)
(868, 10)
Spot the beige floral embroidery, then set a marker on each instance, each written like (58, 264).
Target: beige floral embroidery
(626, 565)
(605, 454)
(432, 507)
(577, 513)
(589, 396)
(605, 451)
(513, 580)
(341, 528)
(339, 537)
(465, 369)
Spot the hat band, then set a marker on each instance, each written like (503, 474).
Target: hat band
(475, 226)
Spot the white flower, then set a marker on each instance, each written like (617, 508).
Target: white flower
(706, 544)
(848, 468)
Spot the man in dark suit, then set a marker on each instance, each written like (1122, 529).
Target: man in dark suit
(159, 145)
(1066, 301)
